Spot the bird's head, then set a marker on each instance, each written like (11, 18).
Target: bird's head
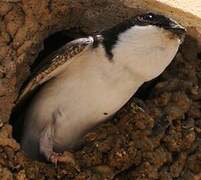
(163, 22)
(148, 41)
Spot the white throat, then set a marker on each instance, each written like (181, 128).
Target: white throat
(146, 50)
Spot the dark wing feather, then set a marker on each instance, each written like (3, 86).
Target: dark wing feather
(46, 69)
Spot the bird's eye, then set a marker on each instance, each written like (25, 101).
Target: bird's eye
(148, 17)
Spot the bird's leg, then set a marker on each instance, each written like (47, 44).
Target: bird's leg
(65, 157)
(46, 148)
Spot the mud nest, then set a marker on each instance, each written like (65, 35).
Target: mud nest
(160, 140)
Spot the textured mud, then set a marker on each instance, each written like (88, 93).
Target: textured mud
(160, 141)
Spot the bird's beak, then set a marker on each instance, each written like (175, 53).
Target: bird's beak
(179, 30)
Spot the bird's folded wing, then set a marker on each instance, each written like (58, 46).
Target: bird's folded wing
(53, 64)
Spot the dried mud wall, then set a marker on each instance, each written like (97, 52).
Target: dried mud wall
(126, 147)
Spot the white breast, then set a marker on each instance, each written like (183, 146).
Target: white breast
(90, 90)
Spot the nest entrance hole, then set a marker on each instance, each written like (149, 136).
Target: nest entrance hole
(53, 43)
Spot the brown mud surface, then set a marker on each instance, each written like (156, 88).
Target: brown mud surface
(160, 140)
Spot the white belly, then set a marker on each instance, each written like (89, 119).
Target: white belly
(80, 98)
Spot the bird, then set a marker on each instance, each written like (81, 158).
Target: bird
(89, 79)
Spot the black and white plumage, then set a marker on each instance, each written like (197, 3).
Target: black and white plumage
(91, 78)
